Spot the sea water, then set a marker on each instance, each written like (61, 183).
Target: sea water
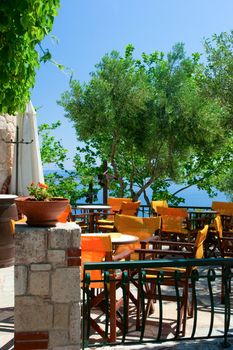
(192, 195)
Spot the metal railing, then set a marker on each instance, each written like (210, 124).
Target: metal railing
(145, 210)
(205, 281)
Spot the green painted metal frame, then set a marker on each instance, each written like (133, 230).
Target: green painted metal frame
(125, 267)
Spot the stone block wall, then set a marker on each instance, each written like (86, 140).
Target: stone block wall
(47, 287)
(7, 132)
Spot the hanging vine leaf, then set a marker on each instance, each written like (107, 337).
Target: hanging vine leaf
(23, 25)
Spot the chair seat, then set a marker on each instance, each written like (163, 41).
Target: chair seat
(106, 222)
(106, 227)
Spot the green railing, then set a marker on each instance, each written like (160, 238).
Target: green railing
(205, 281)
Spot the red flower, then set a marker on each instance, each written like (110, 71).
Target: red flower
(33, 183)
(41, 185)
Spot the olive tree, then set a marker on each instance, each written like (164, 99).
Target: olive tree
(218, 84)
(147, 117)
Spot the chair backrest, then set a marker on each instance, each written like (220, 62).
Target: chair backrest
(140, 227)
(173, 219)
(223, 208)
(218, 225)
(179, 212)
(95, 248)
(199, 242)
(115, 203)
(155, 204)
(129, 208)
(173, 224)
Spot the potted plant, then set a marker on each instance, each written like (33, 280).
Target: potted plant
(40, 208)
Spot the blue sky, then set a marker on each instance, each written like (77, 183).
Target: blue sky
(87, 29)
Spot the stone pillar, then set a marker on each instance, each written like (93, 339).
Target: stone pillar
(7, 132)
(47, 287)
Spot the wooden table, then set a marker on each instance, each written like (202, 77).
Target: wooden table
(92, 210)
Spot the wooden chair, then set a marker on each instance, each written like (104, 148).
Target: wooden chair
(175, 223)
(143, 228)
(98, 248)
(155, 204)
(225, 210)
(181, 250)
(81, 217)
(66, 215)
(129, 208)
(225, 244)
(107, 223)
(126, 208)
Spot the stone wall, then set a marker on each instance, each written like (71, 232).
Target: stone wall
(47, 287)
(7, 132)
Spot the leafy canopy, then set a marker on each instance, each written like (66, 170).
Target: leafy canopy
(219, 85)
(147, 117)
(23, 25)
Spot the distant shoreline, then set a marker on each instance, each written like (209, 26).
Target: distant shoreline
(193, 196)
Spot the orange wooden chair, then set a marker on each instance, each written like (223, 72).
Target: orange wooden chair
(66, 214)
(107, 223)
(143, 228)
(155, 204)
(115, 204)
(126, 208)
(225, 244)
(129, 208)
(175, 223)
(181, 250)
(225, 209)
(81, 217)
(98, 248)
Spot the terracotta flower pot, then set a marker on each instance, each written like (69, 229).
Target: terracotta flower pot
(42, 213)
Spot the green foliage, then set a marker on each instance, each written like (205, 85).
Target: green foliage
(63, 185)
(149, 118)
(85, 164)
(52, 151)
(61, 182)
(219, 70)
(82, 181)
(218, 84)
(23, 25)
(161, 191)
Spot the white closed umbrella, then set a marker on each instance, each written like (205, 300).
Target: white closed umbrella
(27, 165)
